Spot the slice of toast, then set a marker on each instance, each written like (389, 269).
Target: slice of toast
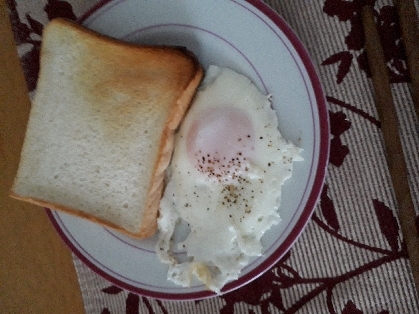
(100, 131)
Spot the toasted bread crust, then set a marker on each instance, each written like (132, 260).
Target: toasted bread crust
(81, 214)
(189, 73)
(166, 148)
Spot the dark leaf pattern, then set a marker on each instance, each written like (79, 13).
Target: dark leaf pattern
(390, 35)
(30, 64)
(388, 224)
(57, 8)
(286, 276)
(363, 64)
(36, 26)
(21, 31)
(355, 110)
(23, 34)
(105, 311)
(344, 67)
(112, 290)
(344, 58)
(253, 293)
(350, 308)
(349, 11)
(133, 304)
(338, 125)
(286, 257)
(343, 9)
(328, 209)
(337, 57)
(355, 39)
(339, 150)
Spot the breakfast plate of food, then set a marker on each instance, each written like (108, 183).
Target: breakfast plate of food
(186, 148)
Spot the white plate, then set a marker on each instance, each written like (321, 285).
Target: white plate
(252, 39)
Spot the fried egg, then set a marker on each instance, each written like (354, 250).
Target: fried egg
(224, 181)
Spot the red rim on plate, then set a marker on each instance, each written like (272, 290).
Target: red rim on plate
(313, 196)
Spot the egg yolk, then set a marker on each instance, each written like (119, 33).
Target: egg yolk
(221, 142)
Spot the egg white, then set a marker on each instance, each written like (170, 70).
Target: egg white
(228, 199)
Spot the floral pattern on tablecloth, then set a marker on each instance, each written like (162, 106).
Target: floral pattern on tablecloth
(351, 259)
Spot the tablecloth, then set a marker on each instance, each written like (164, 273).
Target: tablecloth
(351, 258)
